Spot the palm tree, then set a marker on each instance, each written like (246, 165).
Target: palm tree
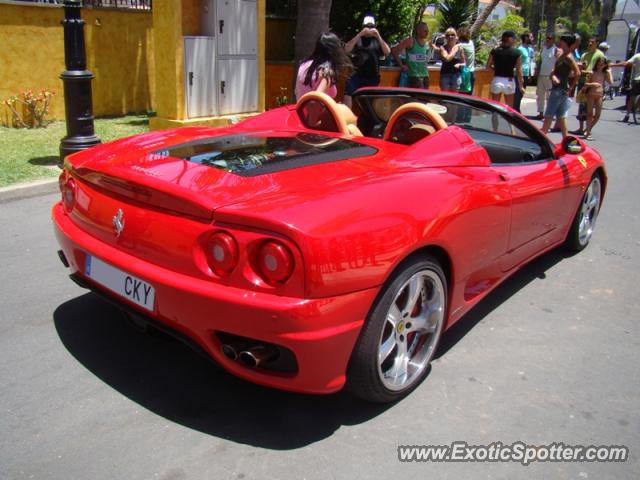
(574, 13)
(551, 13)
(535, 17)
(313, 19)
(475, 28)
(608, 11)
(456, 13)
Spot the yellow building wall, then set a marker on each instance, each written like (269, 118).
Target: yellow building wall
(119, 46)
(169, 61)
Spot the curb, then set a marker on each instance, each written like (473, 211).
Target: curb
(28, 190)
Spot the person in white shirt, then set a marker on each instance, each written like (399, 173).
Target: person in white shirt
(548, 55)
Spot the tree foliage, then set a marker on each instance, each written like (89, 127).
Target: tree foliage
(585, 17)
(395, 18)
(491, 32)
(456, 13)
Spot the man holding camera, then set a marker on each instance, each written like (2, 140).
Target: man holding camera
(366, 48)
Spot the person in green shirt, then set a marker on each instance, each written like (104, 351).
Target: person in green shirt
(526, 55)
(418, 50)
(586, 64)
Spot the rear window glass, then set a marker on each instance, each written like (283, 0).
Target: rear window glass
(251, 155)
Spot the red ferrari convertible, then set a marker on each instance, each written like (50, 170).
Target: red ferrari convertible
(309, 249)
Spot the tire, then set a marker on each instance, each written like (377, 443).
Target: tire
(401, 334)
(584, 221)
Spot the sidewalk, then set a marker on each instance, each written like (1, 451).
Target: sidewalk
(20, 191)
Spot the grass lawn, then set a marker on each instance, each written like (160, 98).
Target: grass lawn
(27, 155)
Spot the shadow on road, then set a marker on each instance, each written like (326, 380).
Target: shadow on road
(534, 270)
(169, 379)
(47, 161)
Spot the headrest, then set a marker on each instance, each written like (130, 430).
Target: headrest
(318, 111)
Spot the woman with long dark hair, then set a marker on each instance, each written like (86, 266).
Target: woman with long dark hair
(321, 70)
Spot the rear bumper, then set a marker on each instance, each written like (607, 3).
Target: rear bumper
(320, 332)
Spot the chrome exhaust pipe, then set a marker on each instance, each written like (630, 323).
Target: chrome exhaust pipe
(229, 351)
(257, 355)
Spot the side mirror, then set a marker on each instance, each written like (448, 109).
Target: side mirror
(572, 145)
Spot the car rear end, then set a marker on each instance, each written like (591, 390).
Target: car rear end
(150, 241)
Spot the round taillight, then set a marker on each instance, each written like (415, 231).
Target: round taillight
(223, 253)
(68, 191)
(275, 261)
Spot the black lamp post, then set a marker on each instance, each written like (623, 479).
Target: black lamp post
(77, 85)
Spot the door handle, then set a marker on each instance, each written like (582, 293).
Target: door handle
(503, 176)
(190, 79)
(222, 85)
(221, 23)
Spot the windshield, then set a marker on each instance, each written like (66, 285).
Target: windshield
(452, 112)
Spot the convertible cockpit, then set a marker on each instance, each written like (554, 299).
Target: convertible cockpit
(407, 116)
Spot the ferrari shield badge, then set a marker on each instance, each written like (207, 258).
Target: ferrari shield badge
(582, 161)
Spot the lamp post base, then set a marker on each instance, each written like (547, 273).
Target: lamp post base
(74, 144)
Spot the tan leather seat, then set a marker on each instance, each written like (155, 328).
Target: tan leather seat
(412, 122)
(318, 111)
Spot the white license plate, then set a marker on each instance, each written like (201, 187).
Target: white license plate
(126, 285)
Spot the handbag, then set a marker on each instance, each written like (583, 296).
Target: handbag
(465, 80)
(582, 96)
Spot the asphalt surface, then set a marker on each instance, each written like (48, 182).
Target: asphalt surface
(551, 356)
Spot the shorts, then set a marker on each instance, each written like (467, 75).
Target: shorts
(504, 85)
(450, 81)
(418, 82)
(635, 88)
(558, 104)
(357, 81)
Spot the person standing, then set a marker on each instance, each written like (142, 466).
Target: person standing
(594, 91)
(367, 47)
(452, 61)
(418, 49)
(634, 84)
(603, 47)
(504, 60)
(469, 50)
(548, 55)
(575, 50)
(587, 62)
(321, 70)
(559, 99)
(526, 55)
(575, 53)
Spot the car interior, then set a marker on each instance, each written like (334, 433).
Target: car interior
(407, 117)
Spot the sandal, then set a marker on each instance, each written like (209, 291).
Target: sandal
(588, 137)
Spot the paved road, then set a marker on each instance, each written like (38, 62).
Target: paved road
(552, 356)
